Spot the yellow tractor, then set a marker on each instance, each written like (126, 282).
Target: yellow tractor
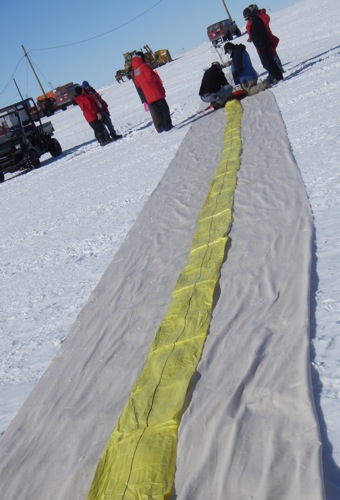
(153, 59)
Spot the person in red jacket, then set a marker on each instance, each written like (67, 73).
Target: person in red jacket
(104, 109)
(260, 38)
(265, 18)
(92, 115)
(149, 81)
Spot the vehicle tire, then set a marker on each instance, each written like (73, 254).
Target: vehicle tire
(33, 160)
(238, 32)
(2, 177)
(54, 147)
(230, 36)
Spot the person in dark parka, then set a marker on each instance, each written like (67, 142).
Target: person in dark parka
(262, 13)
(242, 69)
(215, 87)
(260, 38)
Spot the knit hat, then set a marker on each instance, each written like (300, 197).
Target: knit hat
(140, 54)
(228, 46)
(85, 84)
(247, 13)
(78, 90)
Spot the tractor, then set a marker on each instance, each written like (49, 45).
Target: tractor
(153, 59)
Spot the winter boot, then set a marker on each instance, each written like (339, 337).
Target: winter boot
(104, 143)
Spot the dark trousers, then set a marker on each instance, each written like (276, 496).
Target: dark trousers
(99, 130)
(160, 114)
(268, 62)
(108, 124)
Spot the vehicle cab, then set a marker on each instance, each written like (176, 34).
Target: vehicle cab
(222, 31)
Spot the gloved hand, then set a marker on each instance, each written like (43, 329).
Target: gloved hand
(99, 116)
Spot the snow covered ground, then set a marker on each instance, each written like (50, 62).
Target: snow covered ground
(61, 225)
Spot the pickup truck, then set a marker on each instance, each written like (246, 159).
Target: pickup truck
(47, 104)
(64, 95)
(222, 31)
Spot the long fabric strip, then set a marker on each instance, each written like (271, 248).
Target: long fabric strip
(140, 457)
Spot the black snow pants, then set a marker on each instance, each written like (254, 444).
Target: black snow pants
(99, 130)
(268, 62)
(160, 114)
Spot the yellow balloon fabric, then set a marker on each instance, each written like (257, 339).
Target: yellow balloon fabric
(140, 457)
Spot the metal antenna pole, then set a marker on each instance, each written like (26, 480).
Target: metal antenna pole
(226, 8)
(18, 89)
(29, 60)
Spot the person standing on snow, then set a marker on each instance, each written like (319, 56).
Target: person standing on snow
(92, 115)
(104, 109)
(151, 84)
(242, 69)
(262, 13)
(215, 87)
(141, 95)
(260, 38)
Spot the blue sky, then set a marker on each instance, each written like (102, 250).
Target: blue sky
(85, 40)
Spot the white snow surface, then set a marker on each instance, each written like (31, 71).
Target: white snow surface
(62, 224)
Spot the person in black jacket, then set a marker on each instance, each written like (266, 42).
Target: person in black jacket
(260, 38)
(215, 87)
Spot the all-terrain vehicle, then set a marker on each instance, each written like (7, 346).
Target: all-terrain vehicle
(24, 138)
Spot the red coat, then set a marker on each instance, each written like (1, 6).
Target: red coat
(148, 80)
(88, 105)
(262, 14)
(96, 95)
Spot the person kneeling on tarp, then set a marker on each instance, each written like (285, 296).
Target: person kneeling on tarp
(242, 69)
(215, 87)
